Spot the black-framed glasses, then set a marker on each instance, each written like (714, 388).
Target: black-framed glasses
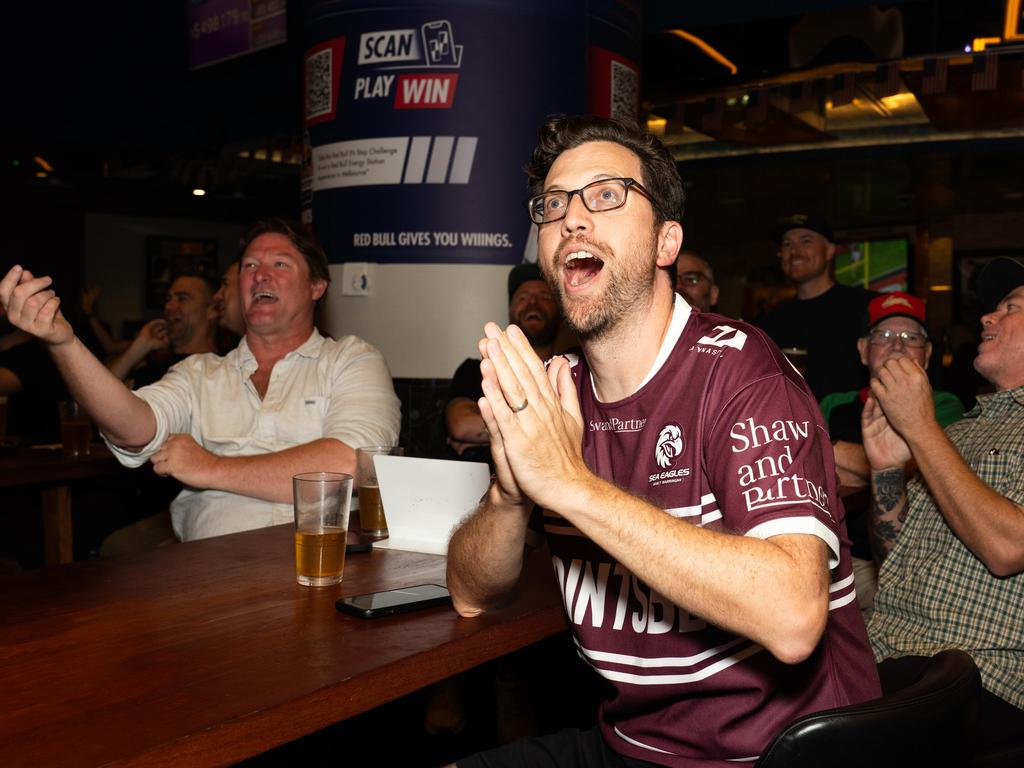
(691, 278)
(911, 339)
(597, 197)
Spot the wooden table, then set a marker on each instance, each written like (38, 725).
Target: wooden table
(208, 652)
(53, 471)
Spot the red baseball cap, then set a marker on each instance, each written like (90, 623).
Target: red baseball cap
(894, 304)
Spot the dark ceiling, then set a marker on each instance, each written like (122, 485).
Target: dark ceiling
(101, 90)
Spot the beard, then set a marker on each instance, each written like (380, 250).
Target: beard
(630, 283)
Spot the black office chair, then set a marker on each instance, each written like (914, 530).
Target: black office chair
(925, 724)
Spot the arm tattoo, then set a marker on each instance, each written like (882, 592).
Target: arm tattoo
(889, 489)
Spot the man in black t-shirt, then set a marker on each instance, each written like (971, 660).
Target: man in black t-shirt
(824, 318)
(531, 306)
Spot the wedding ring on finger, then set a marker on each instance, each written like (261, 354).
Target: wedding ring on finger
(521, 407)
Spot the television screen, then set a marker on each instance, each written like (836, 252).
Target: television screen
(879, 265)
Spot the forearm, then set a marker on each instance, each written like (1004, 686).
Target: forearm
(268, 476)
(124, 363)
(851, 463)
(485, 555)
(774, 591)
(464, 422)
(888, 510)
(988, 523)
(125, 419)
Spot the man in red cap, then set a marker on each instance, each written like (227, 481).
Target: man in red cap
(894, 327)
(953, 538)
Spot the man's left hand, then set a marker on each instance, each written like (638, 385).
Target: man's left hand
(536, 413)
(182, 458)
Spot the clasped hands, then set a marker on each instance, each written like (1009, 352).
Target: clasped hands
(533, 417)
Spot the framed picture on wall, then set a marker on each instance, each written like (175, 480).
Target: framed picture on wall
(169, 256)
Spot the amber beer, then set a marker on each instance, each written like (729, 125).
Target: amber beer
(321, 526)
(371, 512)
(320, 556)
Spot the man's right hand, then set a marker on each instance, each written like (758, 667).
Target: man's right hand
(153, 336)
(884, 448)
(34, 307)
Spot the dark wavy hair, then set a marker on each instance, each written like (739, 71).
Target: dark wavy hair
(660, 175)
(305, 242)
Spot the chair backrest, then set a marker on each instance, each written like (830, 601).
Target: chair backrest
(927, 723)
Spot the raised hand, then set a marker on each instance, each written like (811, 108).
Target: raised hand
(903, 391)
(533, 416)
(883, 446)
(34, 307)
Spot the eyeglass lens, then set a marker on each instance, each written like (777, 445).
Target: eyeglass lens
(909, 338)
(599, 196)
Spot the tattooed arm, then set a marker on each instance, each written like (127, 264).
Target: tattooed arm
(888, 510)
(988, 523)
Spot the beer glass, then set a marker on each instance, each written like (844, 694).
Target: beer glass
(322, 501)
(372, 522)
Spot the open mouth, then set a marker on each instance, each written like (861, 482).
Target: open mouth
(581, 267)
(263, 297)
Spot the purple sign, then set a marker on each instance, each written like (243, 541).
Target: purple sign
(224, 29)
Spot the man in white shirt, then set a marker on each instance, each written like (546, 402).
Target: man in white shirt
(234, 430)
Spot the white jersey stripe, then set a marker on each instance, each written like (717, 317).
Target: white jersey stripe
(839, 602)
(664, 661)
(710, 517)
(640, 744)
(692, 677)
(691, 511)
(841, 584)
(813, 526)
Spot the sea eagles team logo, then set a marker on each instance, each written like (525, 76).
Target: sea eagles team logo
(670, 445)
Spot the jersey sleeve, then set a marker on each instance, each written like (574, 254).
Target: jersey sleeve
(768, 459)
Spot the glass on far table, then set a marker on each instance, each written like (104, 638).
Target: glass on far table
(75, 428)
(372, 522)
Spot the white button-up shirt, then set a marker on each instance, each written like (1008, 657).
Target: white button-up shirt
(324, 388)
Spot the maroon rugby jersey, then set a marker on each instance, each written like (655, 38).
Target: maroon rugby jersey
(725, 435)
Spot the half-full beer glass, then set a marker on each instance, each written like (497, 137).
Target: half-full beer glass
(372, 522)
(322, 501)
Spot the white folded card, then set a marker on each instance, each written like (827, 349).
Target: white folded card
(424, 499)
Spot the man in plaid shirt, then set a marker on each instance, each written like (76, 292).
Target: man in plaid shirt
(953, 538)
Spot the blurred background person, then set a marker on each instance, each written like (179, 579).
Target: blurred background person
(695, 280)
(188, 327)
(824, 318)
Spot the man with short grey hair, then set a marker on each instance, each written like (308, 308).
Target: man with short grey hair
(953, 538)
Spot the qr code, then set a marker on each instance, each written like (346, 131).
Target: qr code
(625, 92)
(319, 97)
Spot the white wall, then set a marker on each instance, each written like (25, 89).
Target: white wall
(115, 258)
(424, 318)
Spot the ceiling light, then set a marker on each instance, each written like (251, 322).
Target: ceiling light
(198, 192)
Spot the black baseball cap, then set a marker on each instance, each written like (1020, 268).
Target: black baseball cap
(997, 279)
(522, 273)
(811, 221)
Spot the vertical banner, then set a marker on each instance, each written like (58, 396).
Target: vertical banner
(420, 117)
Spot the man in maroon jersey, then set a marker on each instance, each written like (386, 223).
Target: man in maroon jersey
(686, 480)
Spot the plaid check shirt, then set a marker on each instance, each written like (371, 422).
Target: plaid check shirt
(933, 593)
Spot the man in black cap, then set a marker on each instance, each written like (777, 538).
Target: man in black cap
(531, 306)
(953, 538)
(824, 318)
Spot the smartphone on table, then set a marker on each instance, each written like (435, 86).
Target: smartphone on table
(392, 601)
